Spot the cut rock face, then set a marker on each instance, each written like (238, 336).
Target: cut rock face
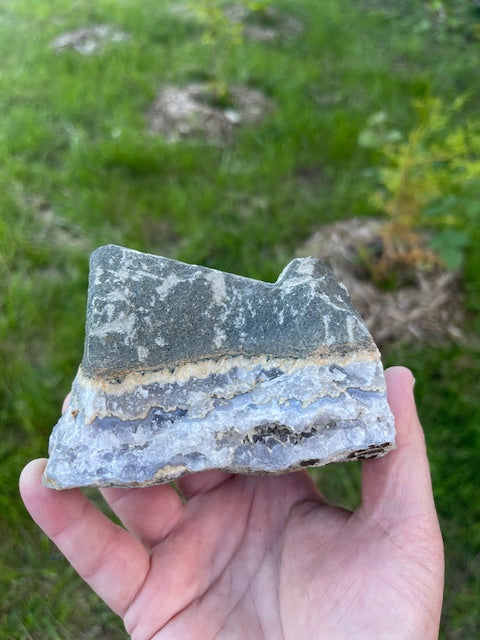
(187, 368)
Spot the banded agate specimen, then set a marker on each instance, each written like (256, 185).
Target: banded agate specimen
(187, 368)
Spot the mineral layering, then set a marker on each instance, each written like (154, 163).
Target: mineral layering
(187, 368)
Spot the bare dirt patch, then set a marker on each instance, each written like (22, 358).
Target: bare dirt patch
(265, 25)
(189, 111)
(427, 308)
(53, 229)
(89, 40)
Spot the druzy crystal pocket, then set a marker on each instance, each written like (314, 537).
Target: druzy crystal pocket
(187, 368)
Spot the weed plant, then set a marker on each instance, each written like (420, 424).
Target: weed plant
(426, 185)
(78, 169)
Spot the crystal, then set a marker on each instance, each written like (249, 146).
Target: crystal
(187, 368)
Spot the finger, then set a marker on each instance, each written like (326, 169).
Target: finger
(66, 402)
(399, 484)
(202, 482)
(108, 558)
(149, 513)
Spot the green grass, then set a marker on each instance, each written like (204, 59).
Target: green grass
(78, 169)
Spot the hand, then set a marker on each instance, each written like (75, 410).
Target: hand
(247, 557)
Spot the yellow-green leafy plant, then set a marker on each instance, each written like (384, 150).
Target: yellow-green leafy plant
(425, 187)
(259, 6)
(221, 34)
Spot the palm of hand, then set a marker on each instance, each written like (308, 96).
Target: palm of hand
(248, 557)
(269, 558)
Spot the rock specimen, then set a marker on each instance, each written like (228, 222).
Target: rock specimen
(187, 368)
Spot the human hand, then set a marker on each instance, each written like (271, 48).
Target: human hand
(248, 557)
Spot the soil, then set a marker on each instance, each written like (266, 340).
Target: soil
(265, 25)
(89, 40)
(427, 307)
(190, 111)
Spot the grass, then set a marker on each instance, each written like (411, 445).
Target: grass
(78, 169)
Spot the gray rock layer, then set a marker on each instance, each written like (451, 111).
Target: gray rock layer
(187, 368)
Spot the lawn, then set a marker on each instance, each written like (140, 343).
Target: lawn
(79, 168)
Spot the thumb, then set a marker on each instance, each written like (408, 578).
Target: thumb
(399, 486)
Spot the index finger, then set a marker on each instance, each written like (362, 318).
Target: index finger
(108, 558)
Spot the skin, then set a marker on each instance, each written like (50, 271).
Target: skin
(263, 557)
